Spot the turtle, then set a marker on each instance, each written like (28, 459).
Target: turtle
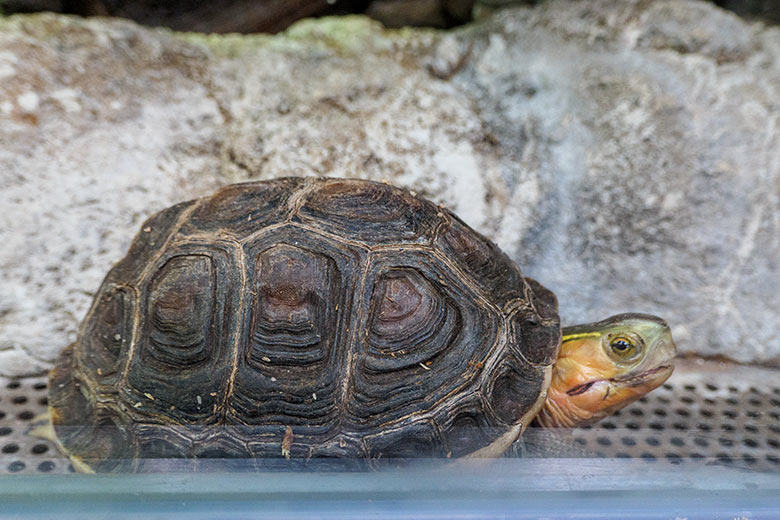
(302, 319)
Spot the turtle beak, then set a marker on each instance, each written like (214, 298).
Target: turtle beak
(622, 391)
(647, 380)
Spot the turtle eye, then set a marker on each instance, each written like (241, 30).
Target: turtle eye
(623, 347)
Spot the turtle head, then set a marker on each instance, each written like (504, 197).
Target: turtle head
(605, 366)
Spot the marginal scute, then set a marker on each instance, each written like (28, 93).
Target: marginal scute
(535, 326)
(467, 430)
(481, 259)
(228, 454)
(108, 332)
(106, 443)
(515, 389)
(71, 408)
(90, 430)
(419, 439)
(160, 442)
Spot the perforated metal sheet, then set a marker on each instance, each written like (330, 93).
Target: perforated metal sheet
(21, 401)
(708, 413)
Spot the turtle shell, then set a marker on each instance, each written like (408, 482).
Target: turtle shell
(306, 318)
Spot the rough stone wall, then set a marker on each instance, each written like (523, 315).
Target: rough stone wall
(624, 153)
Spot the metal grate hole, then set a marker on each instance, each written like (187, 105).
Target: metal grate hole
(16, 466)
(26, 415)
(39, 449)
(46, 466)
(10, 448)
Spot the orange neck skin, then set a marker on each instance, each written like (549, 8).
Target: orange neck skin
(587, 385)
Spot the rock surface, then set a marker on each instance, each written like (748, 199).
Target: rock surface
(624, 153)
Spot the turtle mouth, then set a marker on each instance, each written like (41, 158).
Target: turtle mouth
(661, 373)
(658, 374)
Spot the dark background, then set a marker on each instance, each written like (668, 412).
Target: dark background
(248, 16)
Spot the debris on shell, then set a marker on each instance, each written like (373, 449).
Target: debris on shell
(287, 442)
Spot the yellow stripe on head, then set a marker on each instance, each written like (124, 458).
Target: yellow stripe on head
(580, 335)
